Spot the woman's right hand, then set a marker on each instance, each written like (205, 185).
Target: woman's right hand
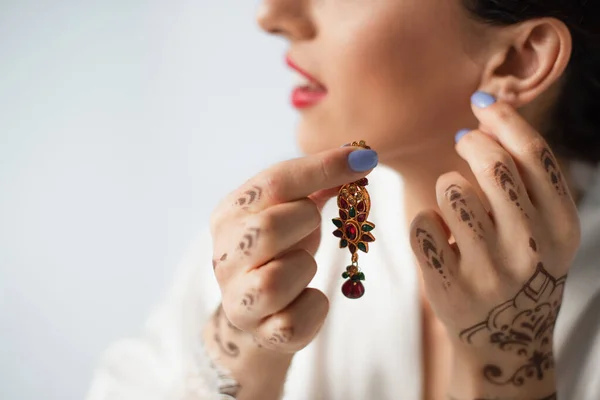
(265, 235)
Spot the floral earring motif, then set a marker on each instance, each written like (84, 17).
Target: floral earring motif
(354, 230)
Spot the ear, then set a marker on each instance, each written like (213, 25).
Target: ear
(527, 59)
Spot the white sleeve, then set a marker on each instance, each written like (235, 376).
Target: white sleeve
(168, 361)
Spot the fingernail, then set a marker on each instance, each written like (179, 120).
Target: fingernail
(345, 145)
(460, 134)
(362, 160)
(482, 99)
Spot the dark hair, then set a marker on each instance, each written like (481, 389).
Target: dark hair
(574, 128)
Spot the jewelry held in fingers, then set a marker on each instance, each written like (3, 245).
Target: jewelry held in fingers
(354, 230)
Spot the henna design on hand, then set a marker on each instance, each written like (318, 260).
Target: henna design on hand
(454, 194)
(215, 262)
(250, 196)
(250, 298)
(429, 249)
(282, 336)
(533, 244)
(249, 240)
(228, 348)
(506, 181)
(257, 342)
(523, 326)
(248, 301)
(551, 167)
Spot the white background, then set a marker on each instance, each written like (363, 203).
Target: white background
(122, 123)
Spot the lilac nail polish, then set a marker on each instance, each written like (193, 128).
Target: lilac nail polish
(461, 134)
(362, 160)
(482, 99)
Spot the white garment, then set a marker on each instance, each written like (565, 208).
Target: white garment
(368, 348)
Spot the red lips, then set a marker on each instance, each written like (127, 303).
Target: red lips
(307, 95)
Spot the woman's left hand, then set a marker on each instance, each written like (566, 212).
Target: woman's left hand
(498, 285)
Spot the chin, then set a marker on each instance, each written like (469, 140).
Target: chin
(312, 140)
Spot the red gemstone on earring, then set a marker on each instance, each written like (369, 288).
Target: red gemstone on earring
(351, 232)
(353, 289)
(361, 206)
(343, 215)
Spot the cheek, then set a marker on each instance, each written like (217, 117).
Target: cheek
(393, 81)
(403, 87)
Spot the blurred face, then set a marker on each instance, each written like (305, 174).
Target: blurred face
(396, 73)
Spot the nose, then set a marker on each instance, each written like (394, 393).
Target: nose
(288, 18)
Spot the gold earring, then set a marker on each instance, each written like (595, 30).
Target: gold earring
(354, 230)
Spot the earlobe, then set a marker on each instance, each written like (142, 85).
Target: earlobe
(533, 58)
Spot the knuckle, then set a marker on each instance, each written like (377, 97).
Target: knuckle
(322, 300)
(529, 264)
(306, 262)
(448, 181)
(266, 221)
(281, 322)
(326, 166)
(274, 181)
(471, 138)
(220, 276)
(266, 282)
(419, 221)
(233, 314)
(569, 236)
(533, 147)
(313, 213)
(490, 163)
(488, 288)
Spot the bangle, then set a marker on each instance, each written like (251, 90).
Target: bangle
(207, 380)
(227, 386)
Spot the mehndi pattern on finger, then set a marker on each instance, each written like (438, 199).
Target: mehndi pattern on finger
(249, 197)
(281, 336)
(551, 166)
(250, 298)
(454, 194)
(506, 180)
(227, 347)
(533, 245)
(429, 249)
(249, 240)
(215, 262)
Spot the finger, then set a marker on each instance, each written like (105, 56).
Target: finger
(498, 177)
(538, 165)
(321, 197)
(310, 244)
(264, 291)
(294, 327)
(464, 212)
(299, 178)
(429, 242)
(265, 235)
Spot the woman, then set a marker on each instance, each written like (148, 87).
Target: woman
(490, 217)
